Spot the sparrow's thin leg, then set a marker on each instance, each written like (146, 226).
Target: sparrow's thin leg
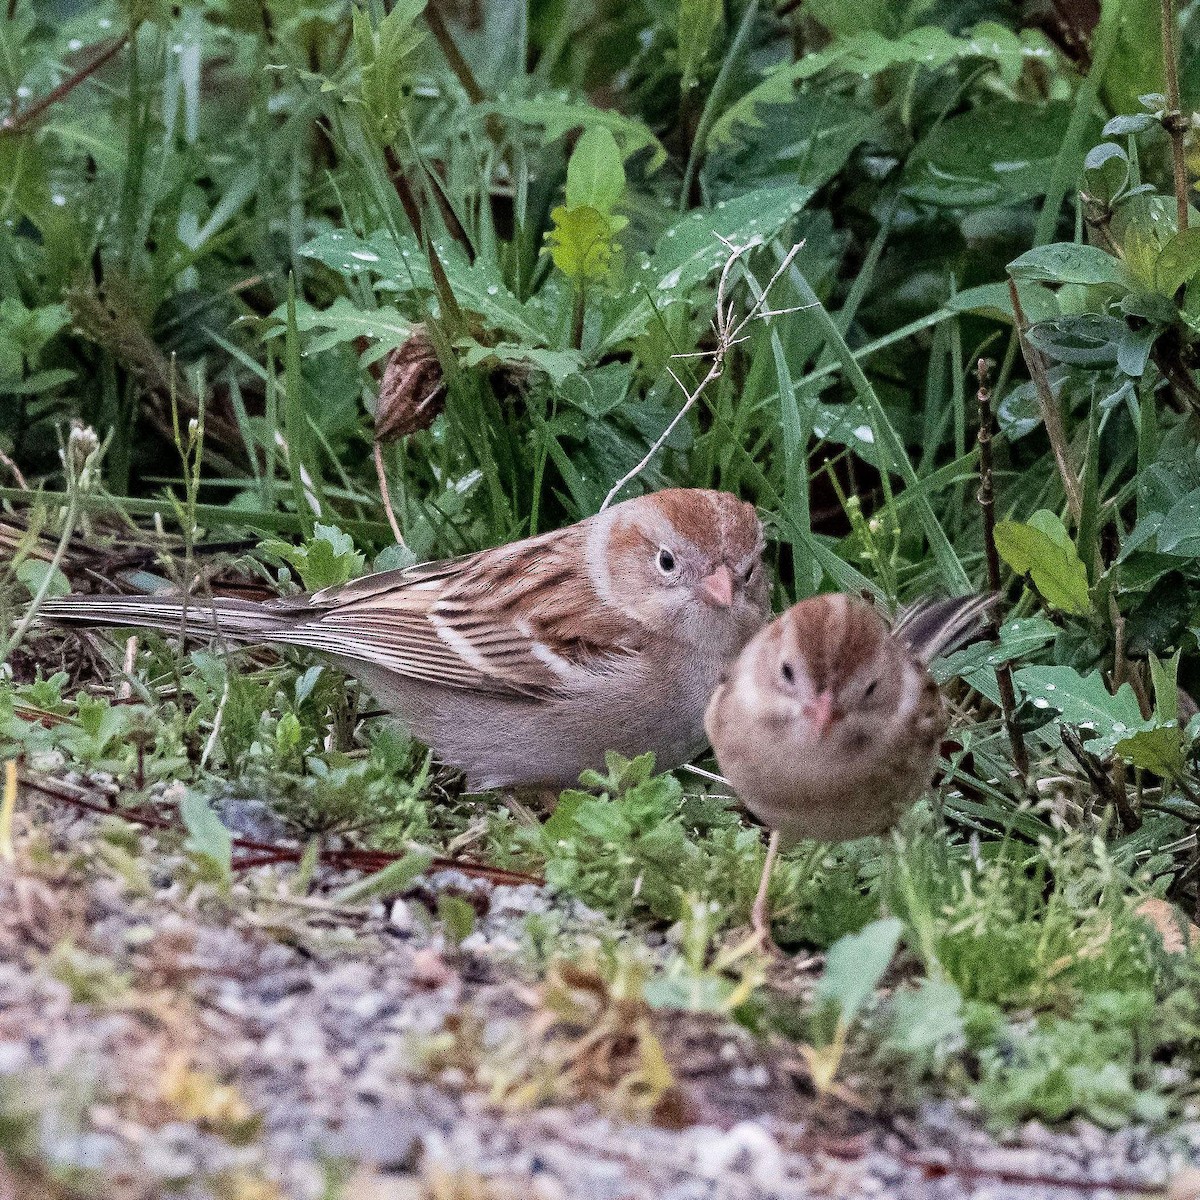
(759, 917)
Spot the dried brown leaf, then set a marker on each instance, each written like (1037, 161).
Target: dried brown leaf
(413, 390)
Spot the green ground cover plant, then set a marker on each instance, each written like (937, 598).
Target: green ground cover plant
(292, 290)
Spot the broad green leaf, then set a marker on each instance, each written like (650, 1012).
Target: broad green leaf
(697, 23)
(994, 300)
(1160, 750)
(1179, 531)
(1135, 67)
(596, 173)
(1042, 550)
(998, 153)
(1178, 261)
(855, 964)
(1106, 168)
(582, 244)
(693, 249)
(207, 838)
(810, 140)
(558, 117)
(399, 265)
(1085, 702)
(1122, 126)
(33, 572)
(1086, 340)
(457, 917)
(1068, 262)
(925, 1023)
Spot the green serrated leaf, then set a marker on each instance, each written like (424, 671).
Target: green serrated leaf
(998, 153)
(1085, 702)
(869, 53)
(399, 265)
(559, 365)
(582, 243)
(325, 560)
(344, 321)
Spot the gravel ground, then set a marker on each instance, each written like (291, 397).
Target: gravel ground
(159, 1039)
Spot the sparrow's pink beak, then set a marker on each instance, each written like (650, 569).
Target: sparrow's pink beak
(819, 711)
(717, 588)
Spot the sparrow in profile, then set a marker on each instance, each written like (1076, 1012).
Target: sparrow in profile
(523, 664)
(828, 724)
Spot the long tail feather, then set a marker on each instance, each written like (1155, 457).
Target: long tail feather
(933, 628)
(237, 620)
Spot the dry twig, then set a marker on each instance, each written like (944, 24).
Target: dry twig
(1051, 417)
(729, 333)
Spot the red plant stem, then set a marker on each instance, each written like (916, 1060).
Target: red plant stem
(16, 121)
(264, 853)
(940, 1170)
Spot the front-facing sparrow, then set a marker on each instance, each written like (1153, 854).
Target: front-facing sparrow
(521, 665)
(828, 724)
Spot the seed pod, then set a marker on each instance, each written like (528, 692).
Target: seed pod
(413, 390)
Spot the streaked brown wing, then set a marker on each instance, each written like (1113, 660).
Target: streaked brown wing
(522, 620)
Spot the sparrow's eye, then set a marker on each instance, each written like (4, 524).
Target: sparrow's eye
(789, 675)
(666, 560)
(869, 691)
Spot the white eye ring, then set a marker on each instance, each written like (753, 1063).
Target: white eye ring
(665, 561)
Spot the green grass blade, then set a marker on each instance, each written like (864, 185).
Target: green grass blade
(888, 441)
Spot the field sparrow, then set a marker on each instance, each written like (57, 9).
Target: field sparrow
(521, 665)
(828, 723)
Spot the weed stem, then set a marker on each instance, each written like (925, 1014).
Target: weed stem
(987, 505)
(1173, 120)
(1051, 417)
(16, 121)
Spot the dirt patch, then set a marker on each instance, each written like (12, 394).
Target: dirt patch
(159, 1038)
